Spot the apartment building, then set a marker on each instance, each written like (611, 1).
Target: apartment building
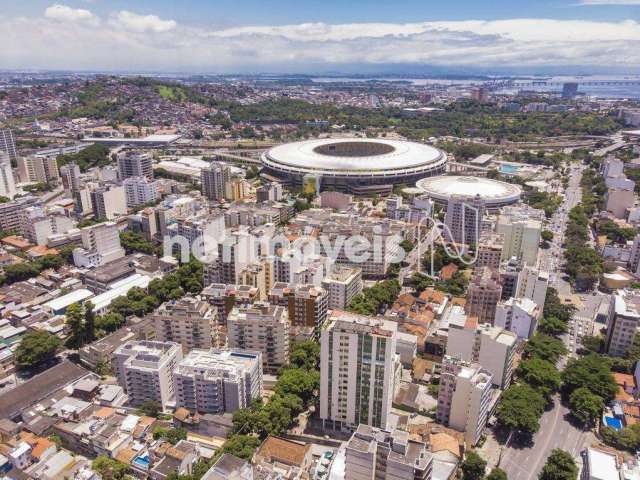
(377, 453)
(235, 252)
(490, 251)
(622, 322)
(7, 182)
(224, 297)
(521, 234)
(306, 305)
(483, 295)
(359, 371)
(342, 285)
(140, 191)
(11, 213)
(463, 218)
(218, 381)
(492, 347)
(135, 164)
(144, 369)
(263, 328)
(214, 180)
(259, 274)
(464, 398)
(109, 202)
(37, 226)
(8, 143)
(533, 285)
(38, 169)
(518, 315)
(100, 244)
(618, 200)
(189, 321)
(70, 174)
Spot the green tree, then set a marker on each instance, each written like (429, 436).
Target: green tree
(473, 467)
(109, 468)
(552, 326)
(547, 235)
(520, 409)
(89, 322)
(305, 355)
(242, 446)
(299, 382)
(592, 372)
(75, 321)
(150, 408)
(560, 466)
(585, 405)
(546, 347)
(497, 474)
(36, 347)
(540, 374)
(171, 435)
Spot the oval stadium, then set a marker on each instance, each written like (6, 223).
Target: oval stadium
(495, 194)
(356, 165)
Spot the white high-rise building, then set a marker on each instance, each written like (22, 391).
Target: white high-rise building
(622, 323)
(109, 202)
(70, 174)
(38, 169)
(214, 181)
(342, 285)
(263, 328)
(8, 144)
(533, 284)
(7, 183)
(464, 398)
(37, 226)
(376, 453)
(135, 164)
(218, 381)
(100, 244)
(464, 218)
(518, 315)
(145, 370)
(140, 191)
(521, 237)
(492, 347)
(359, 371)
(189, 322)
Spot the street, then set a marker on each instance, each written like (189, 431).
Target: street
(525, 462)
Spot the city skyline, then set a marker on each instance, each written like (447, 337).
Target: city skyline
(588, 36)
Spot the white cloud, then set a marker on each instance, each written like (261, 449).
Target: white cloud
(65, 13)
(141, 23)
(134, 42)
(609, 2)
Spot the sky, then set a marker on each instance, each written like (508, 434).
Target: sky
(322, 36)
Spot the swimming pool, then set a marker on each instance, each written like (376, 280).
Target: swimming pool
(142, 461)
(614, 423)
(504, 168)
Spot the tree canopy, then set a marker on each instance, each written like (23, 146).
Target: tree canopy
(560, 466)
(36, 347)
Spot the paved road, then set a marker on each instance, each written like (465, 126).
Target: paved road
(555, 432)
(524, 463)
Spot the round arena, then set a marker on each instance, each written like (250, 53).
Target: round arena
(356, 165)
(495, 194)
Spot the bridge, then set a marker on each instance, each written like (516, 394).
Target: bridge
(240, 157)
(586, 83)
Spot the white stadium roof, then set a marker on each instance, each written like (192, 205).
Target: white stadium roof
(492, 191)
(353, 156)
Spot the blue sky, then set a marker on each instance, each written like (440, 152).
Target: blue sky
(321, 35)
(278, 12)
